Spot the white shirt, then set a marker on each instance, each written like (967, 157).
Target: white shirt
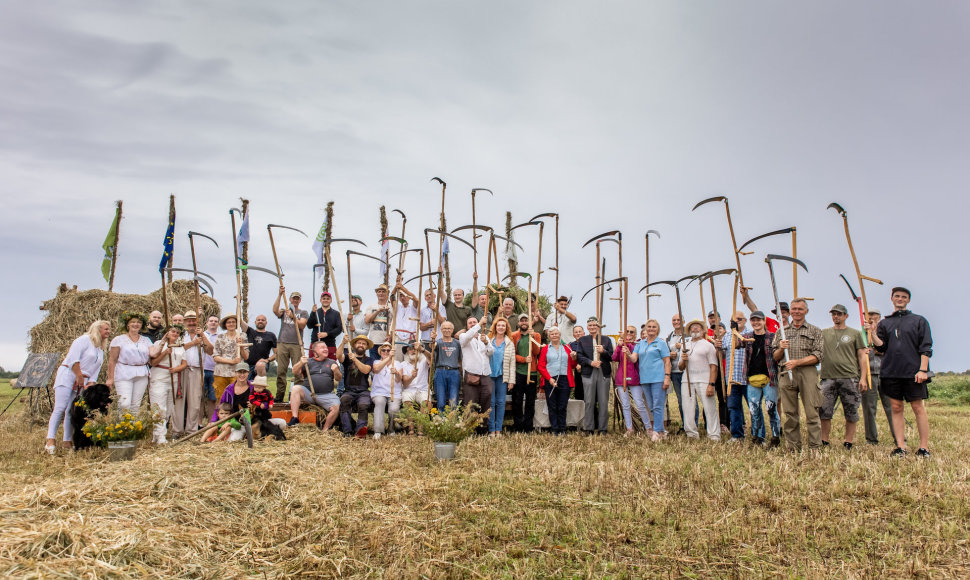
(90, 358)
(565, 325)
(475, 355)
(700, 356)
(420, 382)
(380, 385)
(132, 357)
(406, 329)
(426, 317)
(192, 353)
(209, 363)
(160, 375)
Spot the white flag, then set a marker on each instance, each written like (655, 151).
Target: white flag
(385, 252)
(318, 243)
(510, 248)
(243, 235)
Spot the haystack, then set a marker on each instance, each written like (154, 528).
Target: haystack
(71, 312)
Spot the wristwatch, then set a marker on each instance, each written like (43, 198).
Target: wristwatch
(711, 384)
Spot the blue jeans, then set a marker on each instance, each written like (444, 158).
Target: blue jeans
(770, 394)
(497, 417)
(657, 400)
(446, 383)
(736, 410)
(207, 385)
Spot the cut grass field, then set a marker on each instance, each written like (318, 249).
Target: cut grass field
(521, 506)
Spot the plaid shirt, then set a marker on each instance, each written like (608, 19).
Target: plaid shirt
(803, 341)
(740, 358)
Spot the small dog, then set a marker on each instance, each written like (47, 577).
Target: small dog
(263, 426)
(95, 398)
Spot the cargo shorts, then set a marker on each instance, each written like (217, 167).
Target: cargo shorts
(846, 390)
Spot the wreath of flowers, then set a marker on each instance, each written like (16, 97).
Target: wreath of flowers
(127, 315)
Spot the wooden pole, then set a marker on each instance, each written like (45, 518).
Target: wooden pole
(328, 231)
(245, 273)
(528, 374)
(441, 241)
(387, 267)
(171, 219)
(199, 328)
(730, 331)
(794, 266)
(538, 269)
(720, 365)
(475, 252)
(510, 249)
(114, 253)
(647, 274)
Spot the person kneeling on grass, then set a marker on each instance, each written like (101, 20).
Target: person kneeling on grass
(231, 430)
(324, 375)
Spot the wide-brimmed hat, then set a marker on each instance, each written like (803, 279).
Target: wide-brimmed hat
(127, 315)
(190, 314)
(370, 343)
(222, 323)
(695, 321)
(381, 287)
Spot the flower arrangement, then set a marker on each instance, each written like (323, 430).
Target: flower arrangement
(121, 424)
(453, 426)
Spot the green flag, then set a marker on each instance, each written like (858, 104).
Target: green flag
(109, 247)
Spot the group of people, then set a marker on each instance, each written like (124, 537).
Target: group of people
(378, 358)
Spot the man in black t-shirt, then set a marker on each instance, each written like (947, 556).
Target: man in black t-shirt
(263, 346)
(761, 373)
(325, 324)
(357, 366)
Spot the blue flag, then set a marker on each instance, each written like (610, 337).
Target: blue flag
(444, 251)
(169, 243)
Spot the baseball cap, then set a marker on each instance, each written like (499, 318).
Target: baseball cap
(901, 289)
(296, 295)
(325, 293)
(874, 311)
(242, 367)
(784, 306)
(757, 314)
(839, 308)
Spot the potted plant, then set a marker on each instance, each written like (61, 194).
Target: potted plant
(119, 430)
(446, 429)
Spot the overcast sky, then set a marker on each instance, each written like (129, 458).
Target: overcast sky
(618, 115)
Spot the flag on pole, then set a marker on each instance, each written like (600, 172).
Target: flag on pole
(510, 248)
(242, 237)
(168, 244)
(110, 241)
(385, 252)
(444, 251)
(319, 244)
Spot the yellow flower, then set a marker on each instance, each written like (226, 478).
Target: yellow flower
(138, 424)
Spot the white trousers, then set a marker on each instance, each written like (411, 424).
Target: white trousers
(63, 399)
(380, 404)
(692, 393)
(131, 392)
(636, 393)
(160, 393)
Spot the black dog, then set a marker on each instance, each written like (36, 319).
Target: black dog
(263, 425)
(95, 398)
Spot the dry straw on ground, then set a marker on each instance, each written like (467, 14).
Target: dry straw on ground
(71, 312)
(518, 507)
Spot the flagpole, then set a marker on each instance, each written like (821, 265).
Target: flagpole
(114, 253)
(245, 273)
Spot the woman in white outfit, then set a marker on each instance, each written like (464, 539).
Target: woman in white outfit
(128, 362)
(79, 369)
(168, 362)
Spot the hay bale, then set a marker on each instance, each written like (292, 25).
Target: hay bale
(70, 312)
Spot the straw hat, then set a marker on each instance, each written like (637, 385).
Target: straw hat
(222, 323)
(695, 321)
(370, 343)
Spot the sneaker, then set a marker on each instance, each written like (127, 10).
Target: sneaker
(825, 443)
(899, 452)
(656, 436)
(51, 449)
(847, 445)
(737, 440)
(362, 432)
(757, 441)
(293, 421)
(924, 453)
(775, 442)
(377, 436)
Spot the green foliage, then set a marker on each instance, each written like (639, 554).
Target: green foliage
(120, 425)
(5, 374)
(950, 389)
(453, 426)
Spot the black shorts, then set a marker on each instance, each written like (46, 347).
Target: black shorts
(903, 389)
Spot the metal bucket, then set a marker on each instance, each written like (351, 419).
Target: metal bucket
(444, 451)
(122, 450)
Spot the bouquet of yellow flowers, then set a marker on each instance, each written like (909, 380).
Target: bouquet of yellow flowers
(453, 426)
(121, 424)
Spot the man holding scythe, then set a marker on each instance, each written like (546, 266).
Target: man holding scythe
(799, 377)
(292, 322)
